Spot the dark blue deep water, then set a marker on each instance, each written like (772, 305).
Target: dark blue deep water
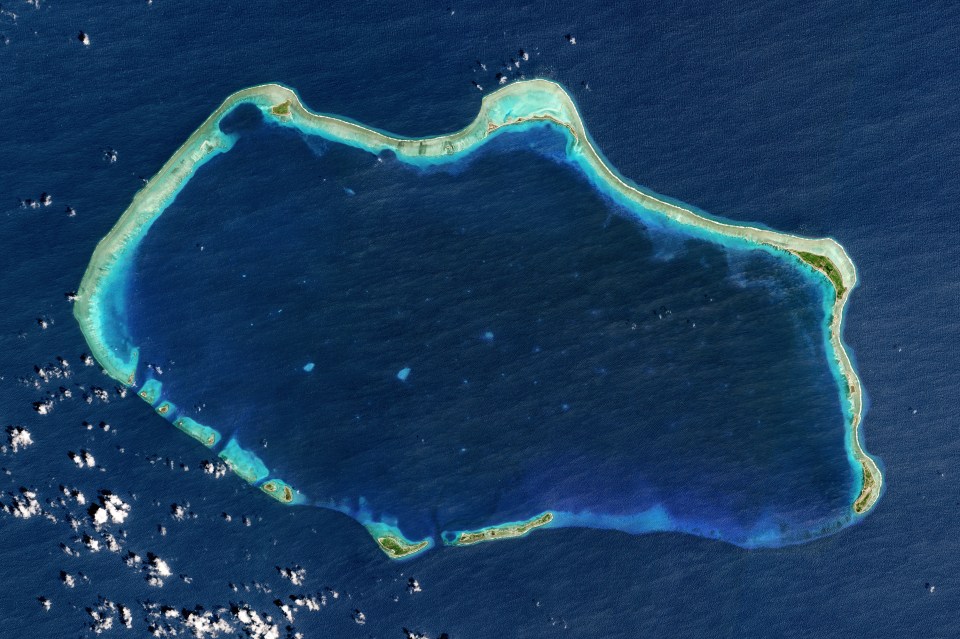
(822, 119)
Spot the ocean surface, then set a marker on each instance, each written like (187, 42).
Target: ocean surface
(830, 119)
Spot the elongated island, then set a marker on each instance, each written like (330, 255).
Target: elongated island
(100, 306)
(493, 533)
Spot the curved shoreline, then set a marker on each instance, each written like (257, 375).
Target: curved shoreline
(513, 107)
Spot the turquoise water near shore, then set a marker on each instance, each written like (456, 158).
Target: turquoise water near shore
(465, 492)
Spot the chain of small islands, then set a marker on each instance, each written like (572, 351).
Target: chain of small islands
(517, 105)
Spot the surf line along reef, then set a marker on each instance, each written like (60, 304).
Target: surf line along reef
(100, 308)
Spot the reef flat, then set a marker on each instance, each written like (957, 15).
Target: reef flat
(513, 108)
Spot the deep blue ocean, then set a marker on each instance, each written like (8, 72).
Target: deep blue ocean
(834, 119)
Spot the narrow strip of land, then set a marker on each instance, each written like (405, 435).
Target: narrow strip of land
(502, 531)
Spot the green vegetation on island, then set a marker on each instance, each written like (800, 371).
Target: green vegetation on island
(281, 109)
(279, 490)
(503, 531)
(165, 408)
(398, 548)
(150, 392)
(207, 436)
(869, 493)
(393, 542)
(823, 264)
